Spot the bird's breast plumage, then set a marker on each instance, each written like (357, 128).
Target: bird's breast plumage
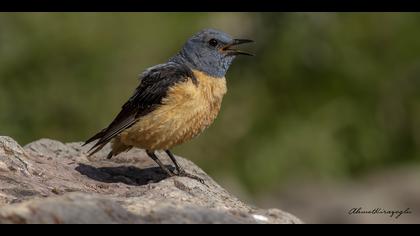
(189, 107)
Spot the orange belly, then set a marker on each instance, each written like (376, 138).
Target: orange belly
(185, 112)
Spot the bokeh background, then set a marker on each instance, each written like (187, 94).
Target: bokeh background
(325, 117)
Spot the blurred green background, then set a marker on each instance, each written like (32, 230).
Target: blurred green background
(328, 97)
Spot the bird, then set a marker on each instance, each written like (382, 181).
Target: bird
(174, 101)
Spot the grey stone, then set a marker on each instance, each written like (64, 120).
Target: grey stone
(51, 182)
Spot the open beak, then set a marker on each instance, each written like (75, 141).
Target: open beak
(231, 51)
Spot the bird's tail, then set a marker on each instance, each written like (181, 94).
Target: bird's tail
(98, 146)
(116, 148)
(95, 137)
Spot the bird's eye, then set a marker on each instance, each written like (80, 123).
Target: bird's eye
(213, 42)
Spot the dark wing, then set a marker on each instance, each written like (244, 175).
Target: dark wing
(153, 87)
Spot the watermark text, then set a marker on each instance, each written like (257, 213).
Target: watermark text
(380, 211)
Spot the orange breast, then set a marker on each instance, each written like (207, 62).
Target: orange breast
(185, 112)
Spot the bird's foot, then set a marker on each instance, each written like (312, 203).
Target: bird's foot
(183, 173)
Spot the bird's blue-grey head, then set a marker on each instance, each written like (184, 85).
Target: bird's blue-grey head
(210, 51)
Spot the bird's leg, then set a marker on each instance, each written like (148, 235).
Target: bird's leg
(173, 159)
(180, 171)
(152, 155)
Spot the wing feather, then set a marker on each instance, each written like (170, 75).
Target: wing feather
(153, 87)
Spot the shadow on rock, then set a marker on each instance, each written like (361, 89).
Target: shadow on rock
(129, 175)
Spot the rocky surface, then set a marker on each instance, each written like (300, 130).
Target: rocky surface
(50, 182)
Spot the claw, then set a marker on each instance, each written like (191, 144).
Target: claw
(185, 174)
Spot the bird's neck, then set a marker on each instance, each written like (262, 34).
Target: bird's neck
(215, 69)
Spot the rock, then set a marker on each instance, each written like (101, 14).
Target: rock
(12, 156)
(51, 182)
(75, 208)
